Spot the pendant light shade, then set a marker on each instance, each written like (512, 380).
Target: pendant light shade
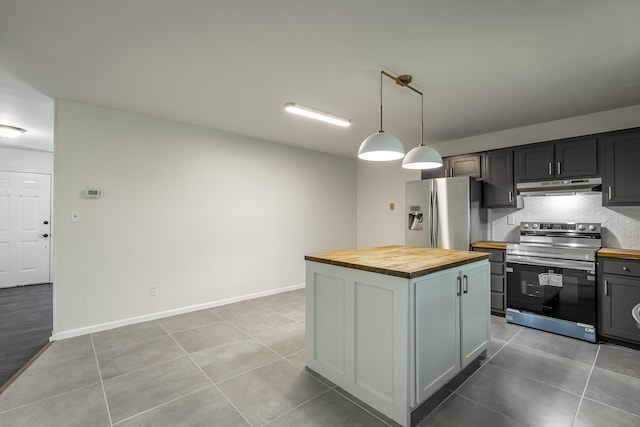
(422, 157)
(380, 147)
(7, 131)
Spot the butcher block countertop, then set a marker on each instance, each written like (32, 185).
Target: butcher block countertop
(490, 245)
(619, 253)
(401, 261)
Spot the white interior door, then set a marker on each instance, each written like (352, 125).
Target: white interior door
(25, 228)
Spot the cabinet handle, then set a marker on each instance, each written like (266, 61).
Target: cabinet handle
(558, 168)
(550, 169)
(510, 197)
(458, 280)
(609, 192)
(465, 284)
(606, 288)
(451, 174)
(625, 268)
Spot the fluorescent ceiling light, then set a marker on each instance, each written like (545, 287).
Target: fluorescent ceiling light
(10, 131)
(315, 114)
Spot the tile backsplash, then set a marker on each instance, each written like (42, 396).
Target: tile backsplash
(620, 225)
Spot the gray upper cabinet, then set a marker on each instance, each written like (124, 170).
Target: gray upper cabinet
(464, 165)
(499, 182)
(567, 158)
(621, 179)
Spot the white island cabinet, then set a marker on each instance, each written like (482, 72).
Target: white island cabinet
(392, 325)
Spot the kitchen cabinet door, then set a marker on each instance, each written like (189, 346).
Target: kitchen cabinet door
(618, 297)
(467, 165)
(437, 331)
(499, 183)
(474, 305)
(621, 178)
(536, 162)
(576, 158)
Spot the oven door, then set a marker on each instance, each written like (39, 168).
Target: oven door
(553, 291)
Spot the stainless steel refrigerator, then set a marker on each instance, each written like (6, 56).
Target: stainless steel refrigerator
(445, 213)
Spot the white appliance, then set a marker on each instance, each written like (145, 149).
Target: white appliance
(445, 213)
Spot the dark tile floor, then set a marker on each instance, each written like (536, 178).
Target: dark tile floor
(243, 365)
(26, 322)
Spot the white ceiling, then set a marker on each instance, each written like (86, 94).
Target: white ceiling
(232, 65)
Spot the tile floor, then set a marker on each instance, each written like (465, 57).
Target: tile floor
(243, 365)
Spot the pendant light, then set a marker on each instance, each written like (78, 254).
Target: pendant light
(7, 131)
(381, 146)
(422, 156)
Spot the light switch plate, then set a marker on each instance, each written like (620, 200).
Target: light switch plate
(510, 220)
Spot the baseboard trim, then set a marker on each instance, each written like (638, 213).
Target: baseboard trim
(161, 314)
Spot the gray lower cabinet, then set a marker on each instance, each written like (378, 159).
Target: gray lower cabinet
(498, 279)
(619, 292)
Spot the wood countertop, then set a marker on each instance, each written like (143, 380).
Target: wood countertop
(490, 245)
(401, 261)
(619, 253)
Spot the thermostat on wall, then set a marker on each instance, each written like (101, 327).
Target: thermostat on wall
(92, 193)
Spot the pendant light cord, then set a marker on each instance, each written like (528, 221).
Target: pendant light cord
(381, 101)
(422, 122)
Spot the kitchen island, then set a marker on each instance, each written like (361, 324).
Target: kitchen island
(392, 325)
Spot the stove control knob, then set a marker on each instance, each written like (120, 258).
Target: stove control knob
(535, 225)
(525, 225)
(581, 227)
(592, 227)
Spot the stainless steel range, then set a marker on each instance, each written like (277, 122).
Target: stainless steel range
(551, 278)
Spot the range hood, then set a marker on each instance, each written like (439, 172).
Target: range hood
(561, 187)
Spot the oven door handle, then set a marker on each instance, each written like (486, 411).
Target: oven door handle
(548, 262)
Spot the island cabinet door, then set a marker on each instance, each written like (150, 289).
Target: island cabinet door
(474, 312)
(437, 329)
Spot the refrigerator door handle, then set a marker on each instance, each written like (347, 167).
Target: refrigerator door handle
(431, 218)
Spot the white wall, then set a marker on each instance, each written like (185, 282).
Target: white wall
(204, 215)
(379, 184)
(13, 159)
(382, 182)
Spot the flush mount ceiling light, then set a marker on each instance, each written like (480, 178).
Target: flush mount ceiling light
(315, 114)
(7, 131)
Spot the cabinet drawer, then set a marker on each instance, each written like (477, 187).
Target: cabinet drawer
(497, 283)
(623, 267)
(497, 301)
(497, 268)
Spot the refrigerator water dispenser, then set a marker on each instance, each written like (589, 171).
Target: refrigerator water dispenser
(415, 218)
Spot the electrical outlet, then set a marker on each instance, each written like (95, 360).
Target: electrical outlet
(153, 291)
(75, 216)
(511, 220)
(392, 206)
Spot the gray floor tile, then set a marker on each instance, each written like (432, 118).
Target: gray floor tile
(299, 359)
(206, 407)
(208, 336)
(522, 399)
(547, 368)
(84, 407)
(230, 359)
(594, 414)
(121, 360)
(458, 411)
(621, 360)
(39, 383)
(126, 335)
(186, 321)
(285, 340)
(617, 390)
(144, 389)
(427, 407)
(277, 300)
(260, 320)
(300, 293)
(64, 350)
(569, 348)
(236, 310)
(295, 311)
(270, 391)
(328, 410)
(366, 407)
(495, 345)
(502, 330)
